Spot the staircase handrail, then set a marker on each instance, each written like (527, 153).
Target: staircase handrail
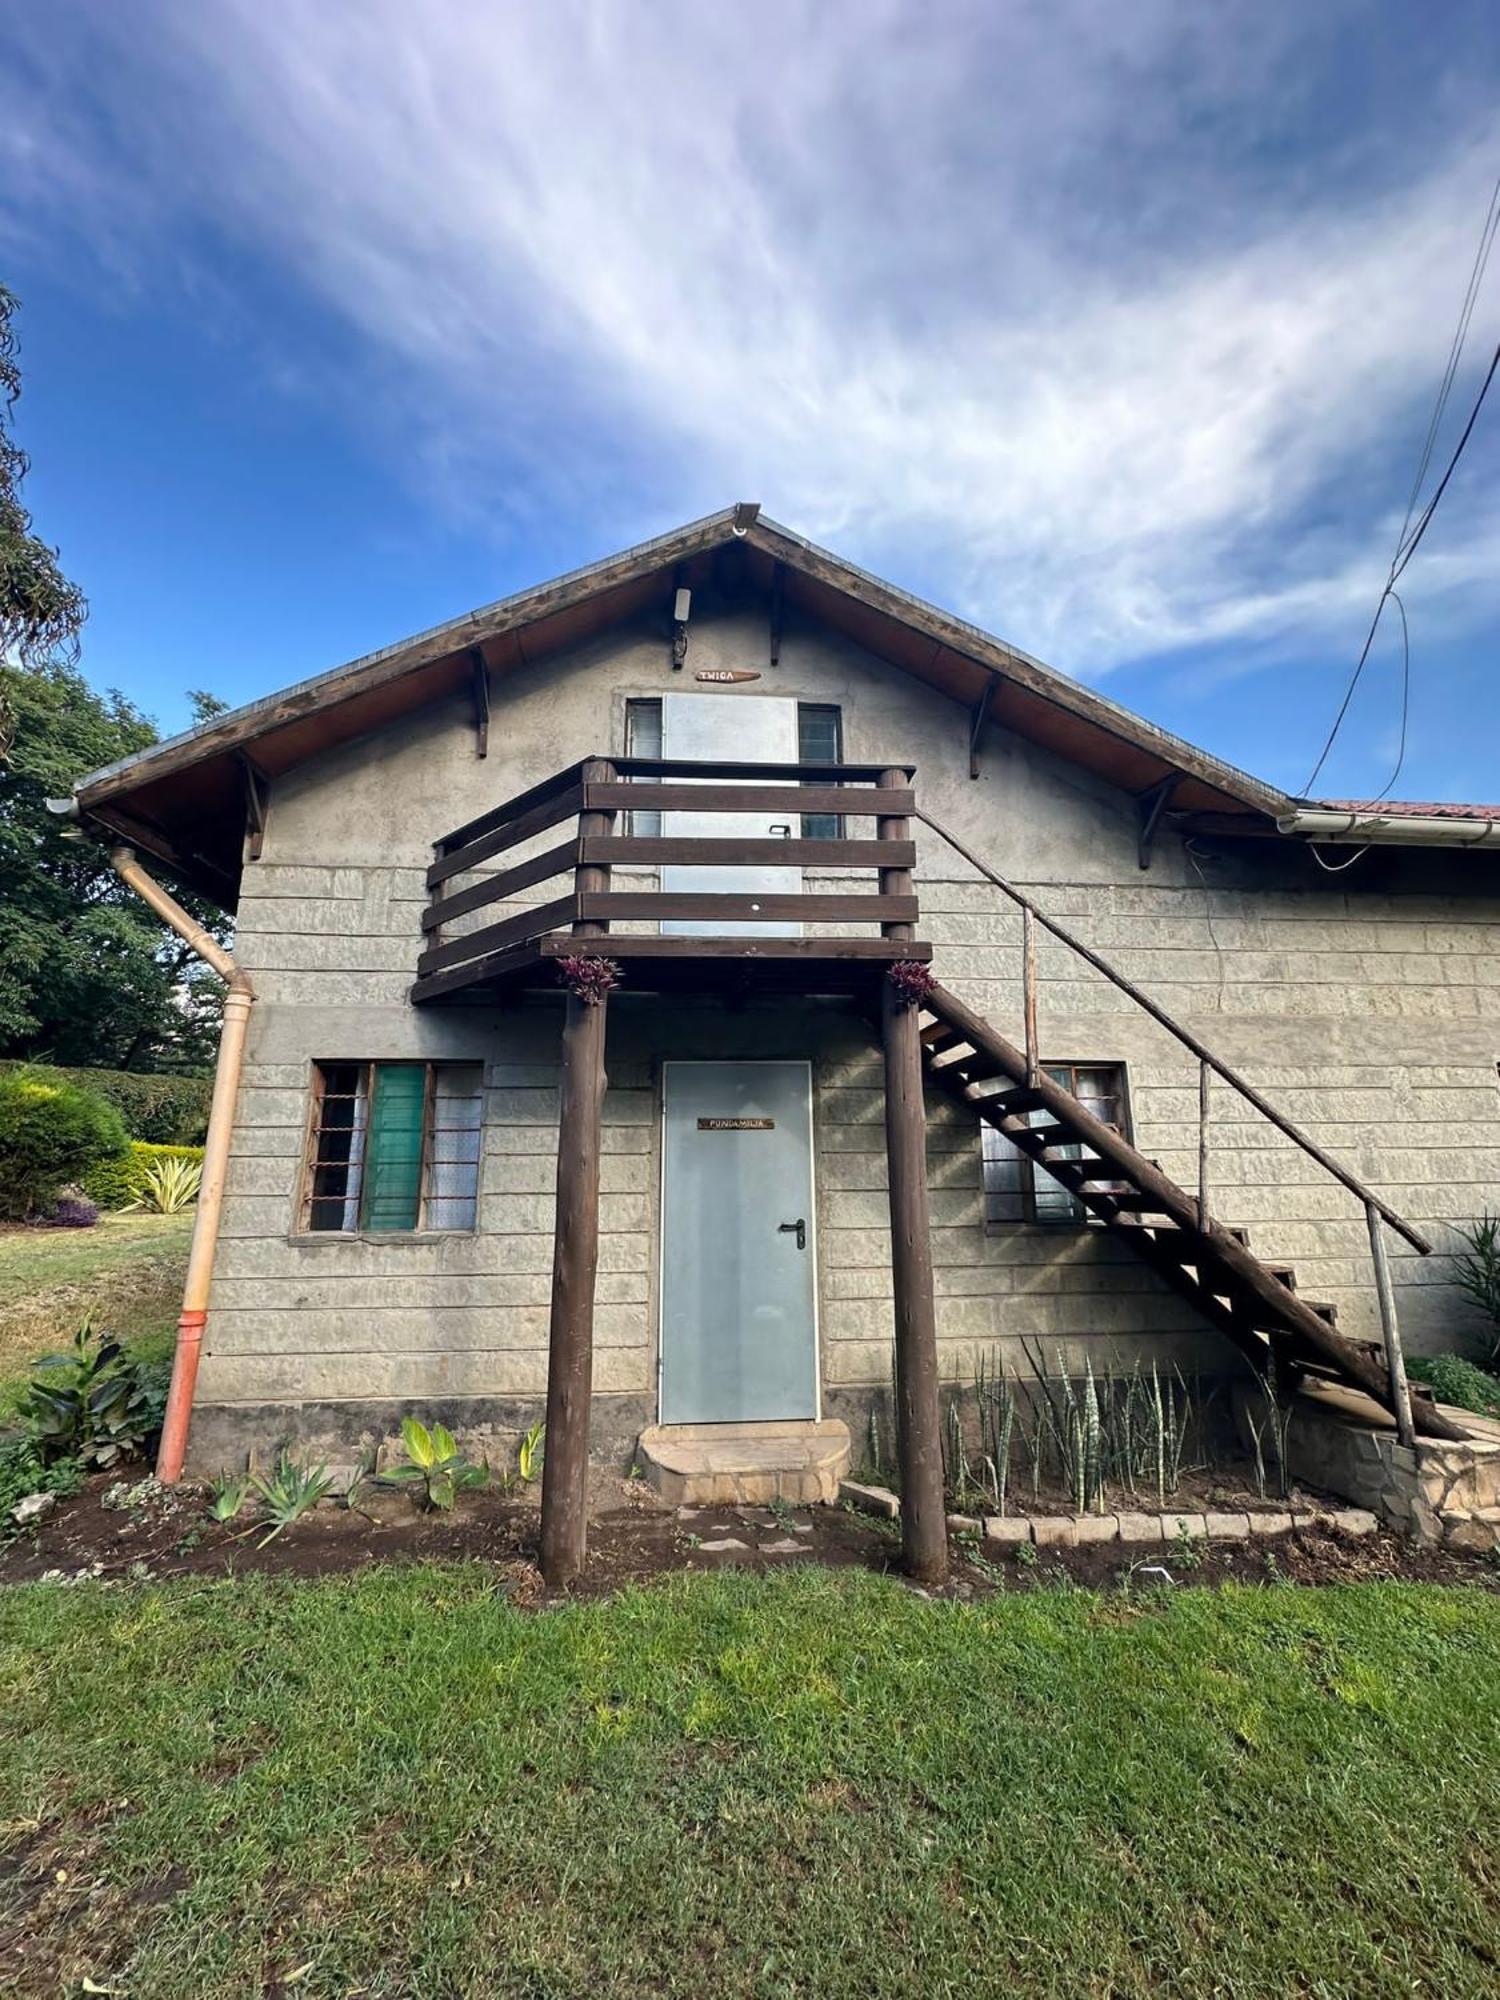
(1188, 1039)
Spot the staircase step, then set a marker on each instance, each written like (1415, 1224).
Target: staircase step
(1144, 1204)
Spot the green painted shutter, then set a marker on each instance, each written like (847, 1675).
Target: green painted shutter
(393, 1152)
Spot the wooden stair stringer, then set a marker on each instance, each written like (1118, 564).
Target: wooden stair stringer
(1246, 1300)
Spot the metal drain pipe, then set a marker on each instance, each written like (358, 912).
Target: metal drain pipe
(238, 1001)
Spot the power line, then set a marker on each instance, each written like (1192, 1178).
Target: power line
(1409, 538)
(1455, 351)
(1404, 553)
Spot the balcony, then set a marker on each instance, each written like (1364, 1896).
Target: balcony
(690, 876)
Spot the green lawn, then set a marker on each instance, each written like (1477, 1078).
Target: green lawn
(807, 1783)
(127, 1271)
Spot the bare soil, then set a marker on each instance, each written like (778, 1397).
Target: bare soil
(633, 1538)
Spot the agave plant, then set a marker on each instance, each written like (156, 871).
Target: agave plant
(168, 1186)
(230, 1492)
(435, 1463)
(291, 1491)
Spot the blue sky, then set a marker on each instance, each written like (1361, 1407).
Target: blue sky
(1114, 329)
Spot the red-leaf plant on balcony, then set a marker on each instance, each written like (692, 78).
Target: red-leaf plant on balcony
(590, 978)
(912, 981)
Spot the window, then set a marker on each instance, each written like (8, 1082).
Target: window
(1015, 1189)
(820, 740)
(643, 739)
(393, 1147)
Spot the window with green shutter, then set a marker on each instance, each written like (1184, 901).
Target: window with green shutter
(393, 1147)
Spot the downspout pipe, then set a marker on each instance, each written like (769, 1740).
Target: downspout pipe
(238, 1000)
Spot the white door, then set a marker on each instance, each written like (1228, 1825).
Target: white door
(739, 1337)
(758, 729)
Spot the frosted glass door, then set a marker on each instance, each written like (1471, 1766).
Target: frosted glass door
(723, 729)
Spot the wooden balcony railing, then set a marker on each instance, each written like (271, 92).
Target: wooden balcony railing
(592, 799)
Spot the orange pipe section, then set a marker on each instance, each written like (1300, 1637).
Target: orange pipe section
(237, 1004)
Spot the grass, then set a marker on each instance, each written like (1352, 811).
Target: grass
(127, 1271)
(812, 1782)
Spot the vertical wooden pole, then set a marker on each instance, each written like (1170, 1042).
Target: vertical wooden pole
(1390, 1330)
(575, 1254)
(594, 877)
(1205, 1075)
(919, 1441)
(1028, 993)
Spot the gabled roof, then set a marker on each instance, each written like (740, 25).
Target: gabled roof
(184, 800)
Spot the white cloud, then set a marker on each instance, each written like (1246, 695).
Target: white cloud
(1007, 303)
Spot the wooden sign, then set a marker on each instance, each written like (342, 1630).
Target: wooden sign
(724, 676)
(736, 1124)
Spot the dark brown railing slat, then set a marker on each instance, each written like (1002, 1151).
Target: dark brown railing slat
(850, 800)
(458, 861)
(541, 917)
(495, 888)
(709, 907)
(667, 851)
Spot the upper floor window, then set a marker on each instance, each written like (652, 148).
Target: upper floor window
(1015, 1189)
(820, 740)
(393, 1147)
(643, 739)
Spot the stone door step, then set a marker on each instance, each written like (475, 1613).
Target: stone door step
(747, 1464)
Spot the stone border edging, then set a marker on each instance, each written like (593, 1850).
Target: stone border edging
(1066, 1531)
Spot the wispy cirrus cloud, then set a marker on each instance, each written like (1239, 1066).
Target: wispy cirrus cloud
(1110, 327)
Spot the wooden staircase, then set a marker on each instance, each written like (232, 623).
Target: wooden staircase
(1284, 1336)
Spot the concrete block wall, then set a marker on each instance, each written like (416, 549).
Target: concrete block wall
(1368, 1013)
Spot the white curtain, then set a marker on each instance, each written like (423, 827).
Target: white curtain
(453, 1157)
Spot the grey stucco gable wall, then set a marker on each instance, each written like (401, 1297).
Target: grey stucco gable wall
(1368, 1013)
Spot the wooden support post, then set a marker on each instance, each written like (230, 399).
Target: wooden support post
(575, 1258)
(919, 1441)
(592, 878)
(1205, 1079)
(919, 1438)
(1390, 1330)
(575, 1248)
(1028, 995)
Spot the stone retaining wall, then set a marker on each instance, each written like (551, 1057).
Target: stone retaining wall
(1436, 1490)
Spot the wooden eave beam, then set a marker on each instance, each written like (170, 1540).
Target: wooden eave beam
(257, 801)
(1151, 805)
(981, 717)
(481, 680)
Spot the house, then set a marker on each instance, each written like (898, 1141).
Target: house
(1192, 1050)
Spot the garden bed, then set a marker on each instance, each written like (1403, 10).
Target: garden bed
(633, 1539)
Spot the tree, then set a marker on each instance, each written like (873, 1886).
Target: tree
(41, 612)
(87, 975)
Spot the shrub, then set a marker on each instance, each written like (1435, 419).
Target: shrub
(119, 1182)
(168, 1110)
(1456, 1381)
(50, 1133)
(93, 1404)
(74, 1211)
(1478, 1276)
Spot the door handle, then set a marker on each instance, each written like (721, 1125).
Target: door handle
(797, 1229)
(782, 827)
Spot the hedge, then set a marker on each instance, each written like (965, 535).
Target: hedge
(168, 1110)
(51, 1133)
(115, 1183)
